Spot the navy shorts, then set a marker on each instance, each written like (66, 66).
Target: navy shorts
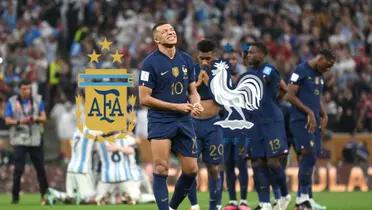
(181, 134)
(210, 140)
(235, 148)
(271, 143)
(304, 139)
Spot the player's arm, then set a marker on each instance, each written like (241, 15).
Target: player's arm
(323, 115)
(291, 96)
(194, 98)
(146, 99)
(282, 89)
(9, 119)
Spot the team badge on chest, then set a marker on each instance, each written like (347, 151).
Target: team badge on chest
(184, 70)
(175, 71)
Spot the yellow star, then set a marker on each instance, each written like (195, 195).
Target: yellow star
(116, 57)
(94, 57)
(105, 45)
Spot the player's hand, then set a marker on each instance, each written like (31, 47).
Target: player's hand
(127, 150)
(197, 109)
(25, 120)
(323, 122)
(185, 107)
(311, 122)
(111, 147)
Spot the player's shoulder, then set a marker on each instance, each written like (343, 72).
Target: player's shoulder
(184, 54)
(268, 69)
(150, 57)
(302, 67)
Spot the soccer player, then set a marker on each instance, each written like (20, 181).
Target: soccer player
(235, 148)
(268, 138)
(307, 118)
(80, 185)
(209, 136)
(118, 169)
(167, 87)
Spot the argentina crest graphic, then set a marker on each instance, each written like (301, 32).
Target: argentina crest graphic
(108, 108)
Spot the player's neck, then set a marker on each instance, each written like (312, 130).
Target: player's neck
(168, 51)
(312, 64)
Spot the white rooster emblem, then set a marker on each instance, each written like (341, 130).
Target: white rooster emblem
(246, 95)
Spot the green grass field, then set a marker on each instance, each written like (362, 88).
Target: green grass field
(334, 201)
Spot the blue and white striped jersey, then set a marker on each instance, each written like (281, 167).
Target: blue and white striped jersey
(117, 166)
(81, 152)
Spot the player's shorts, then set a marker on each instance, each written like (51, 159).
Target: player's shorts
(82, 183)
(235, 148)
(210, 140)
(106, 189)
(304, 139)
(181, 133)
(272, 143)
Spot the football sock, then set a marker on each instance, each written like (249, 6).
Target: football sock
(161, 191)
(181, 189)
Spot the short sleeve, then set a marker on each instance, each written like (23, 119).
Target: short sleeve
(147, 75)
(41, 106)
(271, 73)
(8, 110)
(193, 73)
(192, 69)
(297, 76)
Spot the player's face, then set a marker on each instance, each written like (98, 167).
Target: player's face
(205, 58)
(324, 64)
(254, 56)
(233, 59)
(25, 91)
(165, 35)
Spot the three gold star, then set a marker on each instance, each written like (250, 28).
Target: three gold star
(105, 45)
(94, 57)
(116, 57)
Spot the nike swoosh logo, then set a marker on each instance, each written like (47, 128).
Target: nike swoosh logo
(163, 73)
(163, 200)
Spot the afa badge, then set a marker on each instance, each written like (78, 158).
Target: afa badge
(108, 108)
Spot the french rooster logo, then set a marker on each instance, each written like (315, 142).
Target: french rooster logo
(246, 95)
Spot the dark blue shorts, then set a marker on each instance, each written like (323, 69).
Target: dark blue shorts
(181, 133)
(271, 143)
(235, 148)
(304, 139)
(210, 140)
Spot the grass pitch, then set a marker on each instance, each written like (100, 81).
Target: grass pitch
(333, 201)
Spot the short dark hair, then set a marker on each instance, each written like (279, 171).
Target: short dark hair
(157, 25)
(206, 45)
(328, 54)
(261, 46)
(24, 82)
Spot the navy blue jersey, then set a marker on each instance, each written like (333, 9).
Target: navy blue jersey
(269, 110)
(311, 87)
(169, 80)
(203, 90)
